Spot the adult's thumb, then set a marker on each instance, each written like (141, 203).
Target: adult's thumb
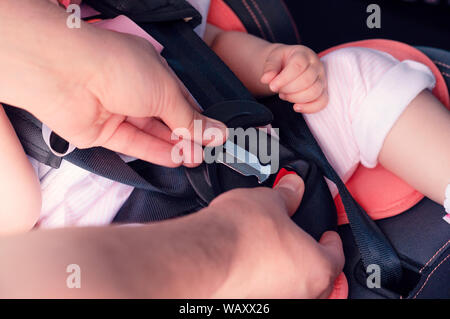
(291, 188)
(187, 122)
(332, 245)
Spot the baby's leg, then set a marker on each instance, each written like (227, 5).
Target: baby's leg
(417, 148)
(378, 113)
(20, 192)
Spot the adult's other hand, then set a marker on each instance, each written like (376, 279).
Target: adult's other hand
(93, 87)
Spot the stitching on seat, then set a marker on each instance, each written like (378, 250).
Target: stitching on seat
(434, 256)
(442, 64)
(446, 74)
(429, 276)
(266, 22)
(244, 2)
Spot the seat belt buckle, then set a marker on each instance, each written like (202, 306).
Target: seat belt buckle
(244, 162)
(259, 154)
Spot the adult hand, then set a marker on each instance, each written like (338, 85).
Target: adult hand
(91, 86)
(275, 258)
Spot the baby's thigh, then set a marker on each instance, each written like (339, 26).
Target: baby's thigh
(332, 131)
(332, 126)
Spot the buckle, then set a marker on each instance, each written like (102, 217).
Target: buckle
(243, 161)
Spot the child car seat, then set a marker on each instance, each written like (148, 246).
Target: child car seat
(417, 270)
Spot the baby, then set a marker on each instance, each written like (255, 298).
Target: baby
(362, 105)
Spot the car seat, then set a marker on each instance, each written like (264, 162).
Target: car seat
(401, 211)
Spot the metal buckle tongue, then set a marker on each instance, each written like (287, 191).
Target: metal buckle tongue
(243, 162)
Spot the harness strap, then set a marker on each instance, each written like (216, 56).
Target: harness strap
(149, 10)
(108, 164)
(212, 81)
(29, 131)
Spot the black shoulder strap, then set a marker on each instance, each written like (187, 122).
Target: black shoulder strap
(149, 10)
(29, 131)
(212, 82)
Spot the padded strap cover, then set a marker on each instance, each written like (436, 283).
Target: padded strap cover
(148, 10)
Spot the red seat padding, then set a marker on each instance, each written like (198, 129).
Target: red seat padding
(221, 15)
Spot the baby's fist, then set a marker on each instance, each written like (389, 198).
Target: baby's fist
(298, 76)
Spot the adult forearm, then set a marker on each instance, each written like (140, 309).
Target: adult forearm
(188, 257)
(244, 245)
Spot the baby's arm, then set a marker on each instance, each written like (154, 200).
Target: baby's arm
(417, 148)
(20, 193)
(293, 71)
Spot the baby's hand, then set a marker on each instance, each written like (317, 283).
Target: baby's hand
(298, 76)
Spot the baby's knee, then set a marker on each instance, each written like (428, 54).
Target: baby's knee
(21, 214)
(354, 67)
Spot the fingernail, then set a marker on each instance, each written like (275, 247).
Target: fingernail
(210, 123)
(292, 182)
(298, 108)
(273, 87)
(216, 125)
(264, 78)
